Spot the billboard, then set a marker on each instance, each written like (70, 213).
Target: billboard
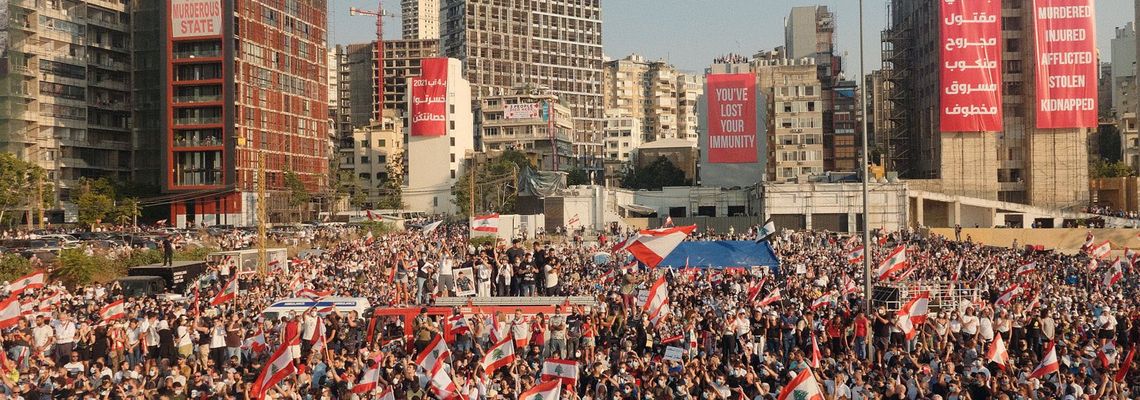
(731, 126)
(522, 111)
(970, 94)
(429, 99)
(193, 18)
(1066, 64)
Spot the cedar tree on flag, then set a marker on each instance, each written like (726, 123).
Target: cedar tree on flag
(499, 355)
(657, 305)
(279, 367)
(997, 353)
(549, 390)
(855, 256)
(823, 300)
(653, 245)
(1008, 295)
(457, 325)
(765, 231)
(432, 357)
(1048, 363)
(561, 370)
(1107, 353)
(10, 312)
(117, 309)
(1100, 250)
(1112, 276)
(486, 223)
(256, 343)
(802, 387)
(773, 297)
(894, 262)
(34, 280)
(913, 314)
(229, 292)
(1027, 268)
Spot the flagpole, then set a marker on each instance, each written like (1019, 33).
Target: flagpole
(866, 174)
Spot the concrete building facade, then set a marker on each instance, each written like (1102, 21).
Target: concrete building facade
(623, 136)
(520, 120)
(1123, 53)
(647, 90)
(66, 99)
(796, 118)
(419, 19)
(435, 163)
(728, 175)
(1020, 164)
(368, 157)
(401, 60)
(551, 43)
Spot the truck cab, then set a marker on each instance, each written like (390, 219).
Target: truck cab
(142, 286)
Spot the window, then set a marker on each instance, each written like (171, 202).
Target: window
(1013, 66)
(365, 176)
(453, 174)
(1013, 45)
(452, 157)
(787, 107)
(365, 160)
(809, 91)
(451, 125)
(452, 140)
(1011, 23)
(811, 106)
(364, 144)
(1012, 89)
(383, 142)
(383, 159)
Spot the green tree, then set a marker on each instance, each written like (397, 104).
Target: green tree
(496, 184)
(1104, 169)
(298, 195)
(126, 211)
(1108, 143)
(347, 185)
(18, 179)
(392, 189)
(93, 208)
(577, 176)
(657, 174)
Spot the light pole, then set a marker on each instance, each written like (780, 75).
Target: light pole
(867, 253)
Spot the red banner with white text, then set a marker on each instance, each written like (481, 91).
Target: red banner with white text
(429, 99)
(1066, 64)
(732, 118)
(970, 93)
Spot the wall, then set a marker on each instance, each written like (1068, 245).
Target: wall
(1063, 240)
(806, 200)
(729, 175)
(433, 159)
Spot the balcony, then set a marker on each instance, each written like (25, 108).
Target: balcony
(197, 98)
(28, 4)
(198, 177)
(108, 84)
(183, 140)
(197, 120)
(198, 53)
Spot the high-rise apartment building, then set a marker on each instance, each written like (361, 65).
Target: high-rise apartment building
(401, 60)
(366, 153)
(420, 19)
(651, 92)
(1021, 163)
(550, 43)
(66, 98)
(1123, 52)
(623, 135)
(809, 32)
(245, 92)
(795, 118)
(690, 88)
(522, 120)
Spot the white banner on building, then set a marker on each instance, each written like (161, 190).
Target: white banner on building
(522, 111)
(193, 18)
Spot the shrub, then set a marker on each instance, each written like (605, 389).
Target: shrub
(13, 266)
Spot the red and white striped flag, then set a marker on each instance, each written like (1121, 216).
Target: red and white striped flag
(1100, 250)
(279, 367)
(815, 356)
(849, 286)
(1112, 276)
(913, 314)
(1125, 365)
(823, 300)
(115, 310)
(1008, 295)
(229, 292)
(894, 262)
(549, 390)
(754, 290)
(657, 305)
(10, 312)
(651, 246)
(485, 223)
(34, 280)
(499, 355)
(855, 256)
(1107, 353)
(1048, 363)
(997, 352)
(565, 371)
(773, 297)
(802, 387)
(1027, 268)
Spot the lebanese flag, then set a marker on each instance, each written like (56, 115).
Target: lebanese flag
(997, 353)
(668, 221)
(229, 292)
(1008, 295)
(256, 343)
(369, 214)
(1118, 263)
(10, 312)
(815, 356)
(549, 390)
(457, 325)
(1027, 268)
(34, 280)
(279, 367)
(1125, 365)
(754, 290)
(560, 370)
(657, 306)
(849, 286)
(486, 223)
(368, 380)
(773, 297)
(387, 394)
(431, 356)
(499, 355)
(318, 338)
(653, 245)
(855, 256)
(823, 300)
(441, 384)
(913, 314)
(622, 244)
(894, 262)
(369, 239)
(1107, 353)
(1089, 239)
(1093, 264)
(1100, 250)
(1112, 276)
(1130, 256)
(117, 309)
(802, 387)
(1048, 363)
(313, 294)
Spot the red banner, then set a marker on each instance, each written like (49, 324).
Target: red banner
(1066, 64)
(429, 99)
(971, 66)
(731, 118)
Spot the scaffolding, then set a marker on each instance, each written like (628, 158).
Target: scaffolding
(897, 68)
(944, 295)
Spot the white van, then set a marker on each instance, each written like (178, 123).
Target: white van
(298, 306)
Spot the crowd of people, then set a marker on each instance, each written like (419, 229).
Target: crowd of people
(727, 334)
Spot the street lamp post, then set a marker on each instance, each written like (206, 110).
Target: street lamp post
(867, 253)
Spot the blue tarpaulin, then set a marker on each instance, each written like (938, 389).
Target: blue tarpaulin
(722, 254)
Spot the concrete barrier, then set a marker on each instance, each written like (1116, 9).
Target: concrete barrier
(1065, 240)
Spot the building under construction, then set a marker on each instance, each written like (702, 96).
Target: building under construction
(1021, 164)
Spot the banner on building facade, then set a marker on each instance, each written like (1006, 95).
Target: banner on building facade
(732, 129)
(970, 94)
(1066, 64)
(522, 111)
(194, 18)
(429, 99)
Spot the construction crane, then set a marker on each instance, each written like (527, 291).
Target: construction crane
(379, 13)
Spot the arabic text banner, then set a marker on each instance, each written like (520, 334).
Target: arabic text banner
(429, 99)
(970, 94)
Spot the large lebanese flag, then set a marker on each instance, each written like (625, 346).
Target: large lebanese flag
(549, 390)
(432, 357)
(1048, 363)
(501, 354)
(280, 366)
(653, 245)
(117, 309)
(913, 314)
(486, 223)
(563, 370)
(855, 256)
(229, 292)
(894, 262)
(34, 280)
(1100, 250)
(441, 383)
(657, 305)
(773, 297)
(10, 312)
(997, 353)
(803, 387)
(369, 378)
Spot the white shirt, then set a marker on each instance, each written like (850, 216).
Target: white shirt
(64, 331)
(970, 324)
(41, 334)
(986, 328)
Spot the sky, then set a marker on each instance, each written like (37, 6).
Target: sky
(690, 33)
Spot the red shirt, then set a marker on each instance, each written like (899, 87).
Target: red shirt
(860, 326)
